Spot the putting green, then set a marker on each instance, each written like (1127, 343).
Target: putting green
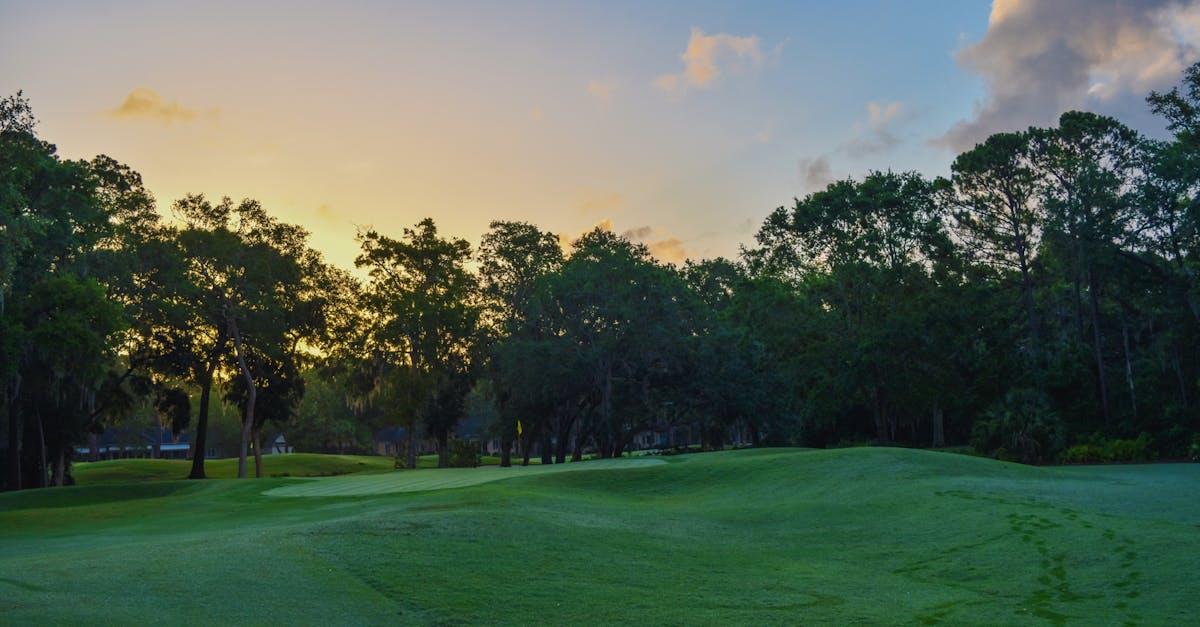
(445, 478)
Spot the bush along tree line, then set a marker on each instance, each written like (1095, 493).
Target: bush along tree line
(1039, 304)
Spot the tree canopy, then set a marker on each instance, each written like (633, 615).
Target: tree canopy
(1040, 300)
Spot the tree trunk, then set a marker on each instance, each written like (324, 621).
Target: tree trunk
(577, 448)
(606, 404)
(1079, 307)
(565, 424)
(619, 444)
(41, 451)
(256, 437)
(882, 434)
(1032, 322)
(1097, 347)
(251, 397)
(547, 453)
(1129, 368)
(244, 442)
(1177, 366)
(505, 451)
(410, 456)
(443, 442)
(94, 447)
(202, 426)
(524, 441)
(14, 443)
(1027, 295)
(939, 432)
(60, 468)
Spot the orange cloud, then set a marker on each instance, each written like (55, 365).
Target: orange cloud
(638, 234)
(325, 212)
(667, 82)
(146, 103)
(602, 90)
(601, 202)
(565, 240)
(702, 55)
(670, 250)
(877, 135)
(665, 248)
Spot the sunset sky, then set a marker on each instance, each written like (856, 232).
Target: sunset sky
(682, 124)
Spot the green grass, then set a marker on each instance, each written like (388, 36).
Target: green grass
(291, 465)
(870, 535)
(444, 479)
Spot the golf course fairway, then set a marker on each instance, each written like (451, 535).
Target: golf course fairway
(862, 535)
(444, 479)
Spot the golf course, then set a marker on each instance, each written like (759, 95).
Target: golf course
(859, 535)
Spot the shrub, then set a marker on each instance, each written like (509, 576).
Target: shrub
(1176, 441)
(464, 454)
(1022, 426)
(1100, 450)
(1082, 454)
(1195, 449)
(1130, 450)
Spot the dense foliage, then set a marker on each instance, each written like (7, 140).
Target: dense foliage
(1041, 303)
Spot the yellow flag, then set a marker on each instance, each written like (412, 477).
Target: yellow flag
(518, 428)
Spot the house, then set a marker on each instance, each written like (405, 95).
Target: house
(391, 441)
(149, 442)
(160, 443)
(277, 446)
(475, 428)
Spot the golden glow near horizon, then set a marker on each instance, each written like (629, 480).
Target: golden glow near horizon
(387, 168)
(336, 121)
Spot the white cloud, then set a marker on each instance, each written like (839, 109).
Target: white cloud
(1042, 57)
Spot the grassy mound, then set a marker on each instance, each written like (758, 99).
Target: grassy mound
(442, 479)
(291, 465)
(769, 536)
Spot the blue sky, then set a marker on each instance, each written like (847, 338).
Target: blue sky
(682, 124)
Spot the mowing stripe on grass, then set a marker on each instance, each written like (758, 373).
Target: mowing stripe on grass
(444, 478)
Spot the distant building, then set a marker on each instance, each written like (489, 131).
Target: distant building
(392, 441)
(118, 443)
(157, 444)
(278, 446)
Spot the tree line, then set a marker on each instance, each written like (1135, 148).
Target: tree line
(1040, 303)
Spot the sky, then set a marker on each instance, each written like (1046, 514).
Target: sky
(679, 124)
